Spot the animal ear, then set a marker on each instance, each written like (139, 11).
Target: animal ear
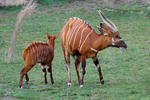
(56, 36)
(101, 24)
(47, 34)
(101, 30)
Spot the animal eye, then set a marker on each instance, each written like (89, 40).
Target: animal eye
(117, 37)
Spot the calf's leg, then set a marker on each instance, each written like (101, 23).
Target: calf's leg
(45, 75)
(27, 78)
(24, 72)
(50, 72)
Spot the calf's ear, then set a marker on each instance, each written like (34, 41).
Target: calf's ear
(56, 36)
(47, 34)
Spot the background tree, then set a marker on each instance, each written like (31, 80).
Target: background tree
(23, 13)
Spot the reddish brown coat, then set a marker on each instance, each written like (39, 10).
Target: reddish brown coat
(80, 40)
(38, 52)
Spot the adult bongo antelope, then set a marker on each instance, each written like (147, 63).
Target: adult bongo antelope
(80, 40)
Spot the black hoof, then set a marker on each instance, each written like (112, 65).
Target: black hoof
(45, 83)
(81, 83)
(52, 82)
(102, 81)
(20, 87)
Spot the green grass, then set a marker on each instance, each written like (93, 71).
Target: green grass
(126, 72)
(54, 2)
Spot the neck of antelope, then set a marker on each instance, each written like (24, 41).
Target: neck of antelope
(102, 42)
(51, 44)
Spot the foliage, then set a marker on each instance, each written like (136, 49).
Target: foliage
(126, 73)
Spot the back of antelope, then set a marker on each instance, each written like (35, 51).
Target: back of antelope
(79, 39)
(39, 52)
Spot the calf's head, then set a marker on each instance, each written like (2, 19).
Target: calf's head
(51, 39)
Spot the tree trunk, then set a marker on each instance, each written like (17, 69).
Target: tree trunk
(23, 13)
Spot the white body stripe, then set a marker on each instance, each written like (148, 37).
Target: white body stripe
(67, 35)
(72, 36)
(65, 32)
(76, 34)
(73, 33)
(85, 39)
(68, 39)
(82, 34)
(94, 50)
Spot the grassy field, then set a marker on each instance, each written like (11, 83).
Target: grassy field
(126, 72)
